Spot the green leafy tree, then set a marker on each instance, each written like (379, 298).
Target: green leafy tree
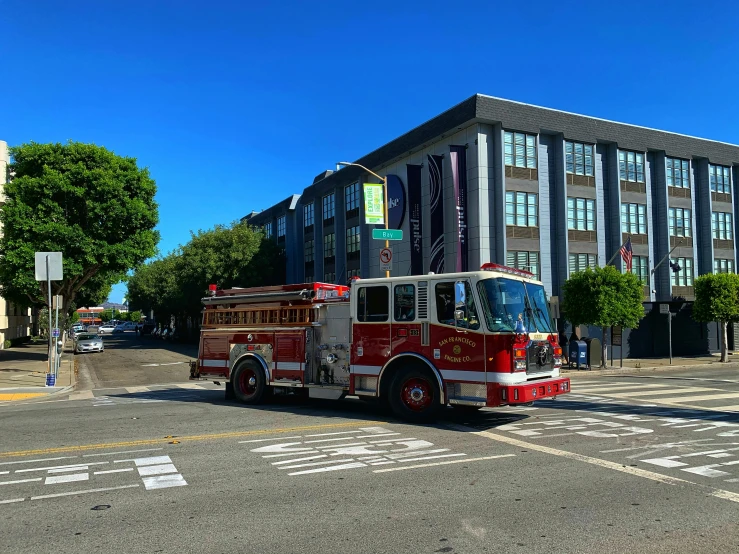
(95, 207)
(717, 299)
(74, 318)
(135, 316)
(603, 297)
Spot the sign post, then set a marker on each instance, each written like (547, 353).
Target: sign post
(665, 309)
(375, 208)
(617, 340)
(49, 268)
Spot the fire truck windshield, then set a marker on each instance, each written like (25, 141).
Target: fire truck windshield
(505, 301)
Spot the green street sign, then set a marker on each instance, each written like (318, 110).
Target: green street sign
(374, 204)
(387, 234)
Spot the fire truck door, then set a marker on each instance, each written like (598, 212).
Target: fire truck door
(289, 357)
(371, 332)
(405, 331)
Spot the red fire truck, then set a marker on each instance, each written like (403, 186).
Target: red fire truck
(474, 339)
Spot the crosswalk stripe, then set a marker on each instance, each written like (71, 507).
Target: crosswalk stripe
(81, 395)
(684, 390)
(704, 397)
(190, 386)
(725, 408)
(616, 388)
(134, 390)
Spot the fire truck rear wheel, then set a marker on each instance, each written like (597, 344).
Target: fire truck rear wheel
(248, 383)
(414, 395)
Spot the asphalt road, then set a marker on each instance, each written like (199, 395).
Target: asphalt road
(134, 466)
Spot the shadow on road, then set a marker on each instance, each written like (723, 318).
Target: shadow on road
(131, 340)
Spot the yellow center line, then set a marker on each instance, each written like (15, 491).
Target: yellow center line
(213, 436)
(20, 395)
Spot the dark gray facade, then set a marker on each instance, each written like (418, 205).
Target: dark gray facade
(658, 187)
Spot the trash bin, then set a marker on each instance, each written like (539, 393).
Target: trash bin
(595, 352)
(578, 353)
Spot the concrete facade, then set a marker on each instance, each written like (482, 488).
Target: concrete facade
(626, 185)
(15, 322)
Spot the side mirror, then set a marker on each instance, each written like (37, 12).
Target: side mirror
(458, 315)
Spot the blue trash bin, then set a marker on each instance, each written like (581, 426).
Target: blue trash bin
(578, 354)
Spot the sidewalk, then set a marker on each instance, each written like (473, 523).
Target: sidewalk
(23, 372)
(638, 365)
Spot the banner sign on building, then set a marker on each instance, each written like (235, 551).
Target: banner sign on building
(437, 214)
(458, 158)
(396, 202)
(415, 215)
(374, 205)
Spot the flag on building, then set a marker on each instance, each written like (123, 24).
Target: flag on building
(626, 253)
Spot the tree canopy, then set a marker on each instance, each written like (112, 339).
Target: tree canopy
(84, 201)
(235, 255)
(717, 299)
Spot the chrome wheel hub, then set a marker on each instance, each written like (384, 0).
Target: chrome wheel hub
(416, 394)
(252, 381)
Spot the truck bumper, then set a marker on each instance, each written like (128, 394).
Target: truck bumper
(500, 394)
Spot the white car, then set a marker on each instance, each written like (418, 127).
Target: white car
(125, 326)
(107, 328)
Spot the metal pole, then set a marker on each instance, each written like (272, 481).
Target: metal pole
(617, 251)
(387, 220)
(669, 332)
(621, 349)
(48, 313)
(56, 326)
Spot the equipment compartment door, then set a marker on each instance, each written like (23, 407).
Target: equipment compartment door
(289, 356)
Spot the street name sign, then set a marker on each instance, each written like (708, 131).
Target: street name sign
(387, 234)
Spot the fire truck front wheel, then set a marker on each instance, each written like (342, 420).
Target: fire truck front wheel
(248, 382)
(414, 395)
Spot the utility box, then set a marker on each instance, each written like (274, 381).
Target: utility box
(595, 352)
(578, 353)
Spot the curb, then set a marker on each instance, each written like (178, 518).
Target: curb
(651, 369)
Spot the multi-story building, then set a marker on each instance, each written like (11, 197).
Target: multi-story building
(553, 192)
(15, 321)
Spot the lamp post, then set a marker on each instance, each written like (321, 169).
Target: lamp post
(384, 198)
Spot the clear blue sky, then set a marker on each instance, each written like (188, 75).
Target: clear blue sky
(234, 105)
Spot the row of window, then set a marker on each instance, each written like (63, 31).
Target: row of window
(329, 244)
(351, 202)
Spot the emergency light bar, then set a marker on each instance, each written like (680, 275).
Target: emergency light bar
(506, 269)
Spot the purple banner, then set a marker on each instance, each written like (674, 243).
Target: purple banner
(458, 158)
(416, 218)
(437, 214)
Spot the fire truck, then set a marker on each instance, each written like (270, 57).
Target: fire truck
(419, 343)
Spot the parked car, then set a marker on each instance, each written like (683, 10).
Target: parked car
(106, 328)
(125, 326)
(88, 342)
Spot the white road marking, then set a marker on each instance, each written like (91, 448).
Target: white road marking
(294, 466)
(332, 468)
(706, 471)
(332, 440)
(272, 439)
(12, 500)
(73, 466)
(134, 390)
(664, 462)
(329, 434)
(113, 471)
(726, 408)
(20, 481)
(650, 393)
(4, 472)
(70, 478)
(164, 481)
(678, 400)
(316, 457)
(74, 493)
(38, 460)
(146, 461)
(617, 388)
(157, 470)
(191, 386)
(430, 457)
(122, 452)
(68, 469)
(416, 466)
(81, 395)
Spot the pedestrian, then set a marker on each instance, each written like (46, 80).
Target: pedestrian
(563, 344)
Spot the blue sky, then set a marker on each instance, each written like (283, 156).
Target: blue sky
(234, 105)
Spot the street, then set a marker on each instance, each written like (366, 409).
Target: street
(139, 459)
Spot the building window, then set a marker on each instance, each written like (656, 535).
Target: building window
(631, 166)
(329, 277)
(528, 261)
(579, 158)
(351, 197)
(684, 277)
(309, 251)
(329, 245)
(350, 273)
(639, 267)
(722, 228)
(723, 266)
(634, 219)
(579, 262)
(352, 242)
(268, 230)
(520, 150)
(678, 173)
(280, 227)
(308, 215)
(720, 181)
(679, 222)
(581, 214)
(521, 209)
(328, 207)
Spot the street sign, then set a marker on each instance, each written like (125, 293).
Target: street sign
(387, 234)
(374, 204)
(664, 308)
(386, 259)
(57, 301)
(616, 336)
(55, 266)
(55, 333)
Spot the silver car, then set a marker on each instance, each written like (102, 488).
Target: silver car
(88, 342)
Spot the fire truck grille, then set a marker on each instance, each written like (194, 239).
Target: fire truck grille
(541, 357)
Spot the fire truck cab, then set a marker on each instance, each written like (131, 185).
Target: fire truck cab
(473, 339)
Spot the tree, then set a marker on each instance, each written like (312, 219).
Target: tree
(95, 207)
(603, 297)
(135, 316)
(717, 299)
